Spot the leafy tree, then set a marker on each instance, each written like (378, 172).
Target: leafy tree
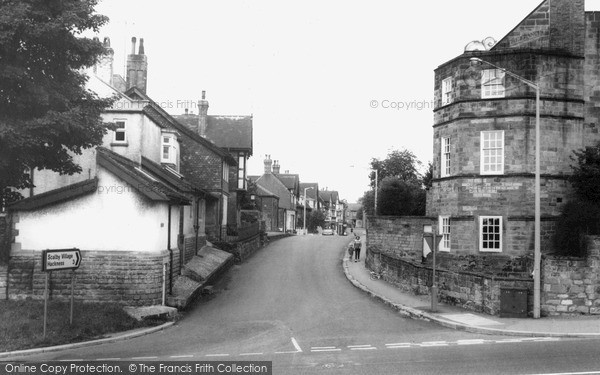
(368, 202)
(428, 176)
(586, 174)
(581, 215)
(46, 113)
(400, 164)
(314, 219)
(398, 197)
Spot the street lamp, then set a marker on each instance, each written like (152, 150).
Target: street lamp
(537, 257)
(304, 221)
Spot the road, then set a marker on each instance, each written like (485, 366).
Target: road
(291, 304)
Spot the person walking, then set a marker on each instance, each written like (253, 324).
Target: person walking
(357, 246)
(351, 250)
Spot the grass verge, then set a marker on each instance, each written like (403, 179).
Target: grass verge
(22, 323)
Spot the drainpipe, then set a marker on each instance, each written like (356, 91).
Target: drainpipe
(170, 252)
(197, 225)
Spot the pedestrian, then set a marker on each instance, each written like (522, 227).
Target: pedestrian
(357, 245)
(351, 250)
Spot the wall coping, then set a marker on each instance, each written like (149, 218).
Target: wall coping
(470, 273)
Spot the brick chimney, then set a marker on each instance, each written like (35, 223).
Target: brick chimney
(268, 164)
(104, 68)
(276, 167)
(202, 115)
(137, 67)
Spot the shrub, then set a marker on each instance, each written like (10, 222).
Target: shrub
(577, 220)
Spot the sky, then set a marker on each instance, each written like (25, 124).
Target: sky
(331, 85)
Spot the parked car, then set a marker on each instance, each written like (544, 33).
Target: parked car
(328, 232)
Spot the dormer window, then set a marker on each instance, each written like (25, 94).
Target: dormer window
(170, 150)
(120, 134)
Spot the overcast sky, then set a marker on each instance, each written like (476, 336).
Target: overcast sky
(310, 72)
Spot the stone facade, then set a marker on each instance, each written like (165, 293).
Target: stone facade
(571, 286)
(399, 236)
(558, 47)
(130, 278)
(473, 291)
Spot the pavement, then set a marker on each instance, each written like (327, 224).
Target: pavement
(419, 307)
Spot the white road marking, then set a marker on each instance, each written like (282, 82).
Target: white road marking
(322, 347)
(142, 358)
(359, 346)
(326, 350)
(367, 348)
(70, 360)
(548, 339)
(251, 353)
(182, 356)
(295, 343)
(217, 355)
(398, 346)
(433, 343)
(398, 343)
(108, 359)
(470, 342)
(289, 352)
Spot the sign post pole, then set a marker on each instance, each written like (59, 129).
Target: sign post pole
(46, 302)
(72, 297)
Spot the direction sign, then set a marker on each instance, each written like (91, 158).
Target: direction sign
(63, 259)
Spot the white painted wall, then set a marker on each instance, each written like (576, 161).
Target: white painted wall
(115, 217)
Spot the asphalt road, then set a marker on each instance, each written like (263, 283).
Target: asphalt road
(291, 304)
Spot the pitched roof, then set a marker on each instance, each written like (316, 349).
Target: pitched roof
(263, 192)
(230, 132)
(55, 196)
(141, 181)
(311, 193)
(291, 181)
(273, 184)
(162, 118)
(329, 195)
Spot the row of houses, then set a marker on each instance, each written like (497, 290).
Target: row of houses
(283, 200)
(146, 201)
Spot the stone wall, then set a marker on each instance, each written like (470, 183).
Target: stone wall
(572, 285)
(129, 278)
(470, 290)
(242, 250)
(401, 236)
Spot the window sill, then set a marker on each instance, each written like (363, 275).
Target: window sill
(119, 144)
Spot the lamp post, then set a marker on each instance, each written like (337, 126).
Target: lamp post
(537, 256)
(304, 221)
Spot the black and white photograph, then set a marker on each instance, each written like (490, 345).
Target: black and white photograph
(315, 187)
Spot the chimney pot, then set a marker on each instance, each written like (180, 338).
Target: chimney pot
(133, 42)
(203, 94)
(141, 51)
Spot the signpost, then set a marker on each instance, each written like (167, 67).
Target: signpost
(57, 260)
(433, 241)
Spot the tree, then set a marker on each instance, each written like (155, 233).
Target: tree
(400, 164)
(46, 113)
(398, 197)
(316, 218)
(586, 174)
(368, 202)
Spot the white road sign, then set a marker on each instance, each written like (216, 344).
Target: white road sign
(64, 259)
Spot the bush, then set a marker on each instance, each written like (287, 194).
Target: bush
(577, 220)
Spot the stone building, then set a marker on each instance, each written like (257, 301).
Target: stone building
(484, 132)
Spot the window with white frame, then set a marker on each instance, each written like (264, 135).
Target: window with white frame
(120, 134)
(170, 150)
(445, 158)
(490, 234)
(242, 171)
(492, 83)
(447, 91)
(444, 229)
(225, 171)
(492, 152)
